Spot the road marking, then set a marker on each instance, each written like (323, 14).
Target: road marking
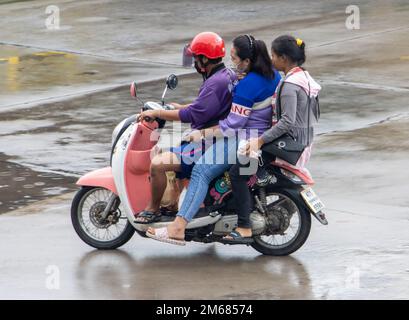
(363, 85)
(49, 53)
(100, 56)
(39, 102)
(16, 59)
(366, 35)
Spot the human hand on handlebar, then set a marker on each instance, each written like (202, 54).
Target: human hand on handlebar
(178, 106)
(148, 115)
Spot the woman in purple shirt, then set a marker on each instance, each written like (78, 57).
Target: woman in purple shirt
(250, 116)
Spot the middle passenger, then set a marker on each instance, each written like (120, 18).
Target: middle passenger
(251, 113)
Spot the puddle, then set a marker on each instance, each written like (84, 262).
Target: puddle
(31, 75)
(20, 186)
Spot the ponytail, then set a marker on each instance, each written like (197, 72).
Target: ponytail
(262, 62)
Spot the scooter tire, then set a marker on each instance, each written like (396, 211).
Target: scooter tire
(123, 238)
(305, 220)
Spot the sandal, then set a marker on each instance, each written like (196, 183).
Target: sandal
(148, 217)
(237, 238)
(162, 235)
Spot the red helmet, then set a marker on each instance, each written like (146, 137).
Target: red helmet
(209, 44)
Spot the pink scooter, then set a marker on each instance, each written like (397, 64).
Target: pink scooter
(103, 210)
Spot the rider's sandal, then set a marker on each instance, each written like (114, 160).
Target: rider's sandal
(237, 238)
(162, 235)
(147, 217)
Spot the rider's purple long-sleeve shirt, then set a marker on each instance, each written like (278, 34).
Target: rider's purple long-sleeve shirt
(213, 102)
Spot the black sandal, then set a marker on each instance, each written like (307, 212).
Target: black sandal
(237, 238)
(148, 217)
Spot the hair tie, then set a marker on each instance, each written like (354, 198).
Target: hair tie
(299, 42)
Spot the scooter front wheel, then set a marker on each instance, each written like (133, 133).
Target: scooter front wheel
(86, 215)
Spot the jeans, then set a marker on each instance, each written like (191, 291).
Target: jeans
(216, 160)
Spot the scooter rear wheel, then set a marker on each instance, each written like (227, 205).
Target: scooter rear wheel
(294, 220)
(103, 234)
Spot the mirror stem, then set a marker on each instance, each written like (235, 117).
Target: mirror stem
(141, 101)
(163, 95)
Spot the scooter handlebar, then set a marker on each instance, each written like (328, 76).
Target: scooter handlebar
(145, 118)
(148, 119)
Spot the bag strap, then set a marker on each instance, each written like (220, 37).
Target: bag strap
(308, 110)
(278, 105)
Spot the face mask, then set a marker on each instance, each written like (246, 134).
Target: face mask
(237, 68)
(199, 69)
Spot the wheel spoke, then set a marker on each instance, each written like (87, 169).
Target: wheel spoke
(275, 202)
(90, 207)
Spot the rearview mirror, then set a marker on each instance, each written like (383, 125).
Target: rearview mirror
(132, 89)
(172, 82)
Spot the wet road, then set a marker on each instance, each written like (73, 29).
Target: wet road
(66, 139)
(360, 255)
(63, 92)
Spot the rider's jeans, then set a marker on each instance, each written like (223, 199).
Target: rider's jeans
(217, 159)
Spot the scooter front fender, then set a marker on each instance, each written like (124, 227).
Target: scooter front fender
(99, 178)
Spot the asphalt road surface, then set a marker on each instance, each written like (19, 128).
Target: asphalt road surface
(63, 91)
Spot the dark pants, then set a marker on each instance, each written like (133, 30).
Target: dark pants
(243, 201)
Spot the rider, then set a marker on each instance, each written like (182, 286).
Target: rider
(212, 104)
(288, 55)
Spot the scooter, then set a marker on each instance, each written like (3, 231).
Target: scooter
(103, 210)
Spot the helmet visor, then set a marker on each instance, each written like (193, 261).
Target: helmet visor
(188, 56)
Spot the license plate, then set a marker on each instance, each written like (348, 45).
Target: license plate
(312, 200)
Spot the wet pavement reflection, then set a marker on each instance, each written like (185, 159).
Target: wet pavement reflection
(33, 76)
(205, 273)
